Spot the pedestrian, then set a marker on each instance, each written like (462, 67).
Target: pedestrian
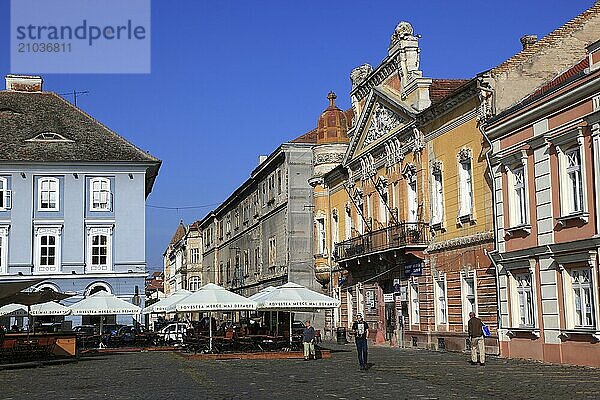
(477, 339)
(361, 333)
(308, 339)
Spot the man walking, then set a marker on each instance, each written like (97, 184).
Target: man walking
(477, 339)
(361, 333)
(308, 339)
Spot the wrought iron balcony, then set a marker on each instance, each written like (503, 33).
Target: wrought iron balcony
(399, 236)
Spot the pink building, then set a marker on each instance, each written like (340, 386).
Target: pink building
(546, 163)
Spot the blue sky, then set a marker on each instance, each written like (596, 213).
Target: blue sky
(233, 79)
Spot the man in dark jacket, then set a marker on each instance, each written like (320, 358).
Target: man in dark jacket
(308, 339)
(361, 333)
(477, 339)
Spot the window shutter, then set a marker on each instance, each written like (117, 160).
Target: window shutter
(8, 199)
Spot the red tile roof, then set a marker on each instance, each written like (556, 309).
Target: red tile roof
(561, 78)
(308, 137)
(179, 233)
(442, 88)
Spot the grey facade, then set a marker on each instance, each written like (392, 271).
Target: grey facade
(262, 234)
(73, 208)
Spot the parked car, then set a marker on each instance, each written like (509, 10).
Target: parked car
(84, 330)
(174, 332)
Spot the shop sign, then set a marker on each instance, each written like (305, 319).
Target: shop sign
(415, 269)
(388, 297)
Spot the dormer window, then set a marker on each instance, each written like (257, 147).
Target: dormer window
(48, 194)
(49, 137)
(100, 194)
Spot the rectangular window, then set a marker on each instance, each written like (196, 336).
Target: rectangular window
(335, 228)
(246, 262)
(412, 201)
(100, 249)
(3, 249)
(466, 188)
(525, 299)
(469, 298)
(47, 250)
(583, 306)
(194, 256)
(348, 220)
(440, 297)
(5, 195)
(321, 245)
(414, 303)
(194, 283)
(48, 195)
(228, 271)
(256, 260)
(519, 198)
(574, 181)
(272, 251)
(279, 182)
(437, 203)
(100, 194)
(383, 214)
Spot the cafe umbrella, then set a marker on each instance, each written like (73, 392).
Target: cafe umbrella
(162, 305)
(102, 303)
(293, 297)
(209, 298)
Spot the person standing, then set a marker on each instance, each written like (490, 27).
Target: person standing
(477, 339)
(308, 339)
(361, 333)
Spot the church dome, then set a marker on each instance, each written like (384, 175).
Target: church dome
(332, 126)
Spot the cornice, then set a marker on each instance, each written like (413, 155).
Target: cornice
(478, 238)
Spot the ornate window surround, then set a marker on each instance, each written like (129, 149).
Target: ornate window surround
(47, 230)
(512, 163)
(563, 143)
(465, 155)
(103, 230)
(437, 169)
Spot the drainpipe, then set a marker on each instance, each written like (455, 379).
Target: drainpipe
(488, 254)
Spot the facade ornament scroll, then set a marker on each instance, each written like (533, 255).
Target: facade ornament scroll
(465, 154)
(360, 74)
(436, 167)
(485, 92)
(384, 121)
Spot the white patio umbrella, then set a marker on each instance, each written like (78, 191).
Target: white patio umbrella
(162, 305)
(257, 296)
(49, 308)
(293, 297)
(103, 303)
(13, 310)
(211, 297)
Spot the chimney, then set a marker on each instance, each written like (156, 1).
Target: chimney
(528, 40)
(24, 83)
(262, 159)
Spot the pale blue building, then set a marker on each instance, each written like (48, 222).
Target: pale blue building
(72, 198)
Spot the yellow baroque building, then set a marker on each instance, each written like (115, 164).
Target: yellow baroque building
(403, 216)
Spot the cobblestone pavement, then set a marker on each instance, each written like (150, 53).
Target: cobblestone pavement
(393, 374)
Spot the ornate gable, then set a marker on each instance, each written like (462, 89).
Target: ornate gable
(381, 118)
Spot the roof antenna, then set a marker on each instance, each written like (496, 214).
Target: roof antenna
(75, 93)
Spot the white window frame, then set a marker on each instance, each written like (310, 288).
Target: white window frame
(194, 283)
(466, 196)
(272, 251)
(437, 196)
(441, 300)
(108, 232)
(50, 180)
(518, 292)
(108, 192)
(564, 145)
(413, 202)
(570, 304)
(413, 289)
(50, 231)
(321, 235)
(194, 255)
(5, 195)
(465, 295)
(4, 249)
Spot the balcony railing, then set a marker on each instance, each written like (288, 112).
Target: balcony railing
(398, 236)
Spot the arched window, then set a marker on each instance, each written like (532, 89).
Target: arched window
(100, 194)
(48, 194)
(98, 287)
